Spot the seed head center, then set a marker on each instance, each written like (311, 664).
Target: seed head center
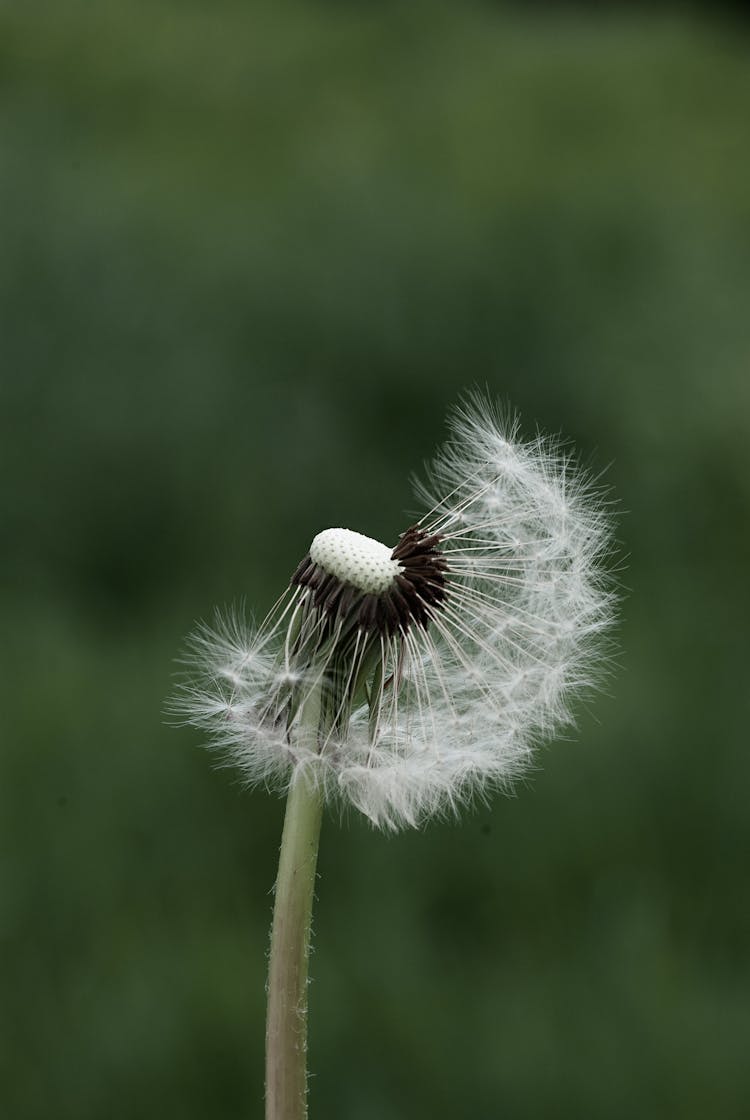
(355, 559)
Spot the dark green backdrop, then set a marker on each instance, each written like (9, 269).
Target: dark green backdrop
(249, 255)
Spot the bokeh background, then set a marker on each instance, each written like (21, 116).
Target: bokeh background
(249, 257)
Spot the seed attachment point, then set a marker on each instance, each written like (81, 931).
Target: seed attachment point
(352, 577)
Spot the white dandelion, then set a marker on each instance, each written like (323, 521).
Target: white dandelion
(403, 680)
(433, 667)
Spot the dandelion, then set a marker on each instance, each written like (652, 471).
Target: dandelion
(406, 680)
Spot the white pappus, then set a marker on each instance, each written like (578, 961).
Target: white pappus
(405, 680)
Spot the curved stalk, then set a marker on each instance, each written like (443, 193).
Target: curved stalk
(286, 1023)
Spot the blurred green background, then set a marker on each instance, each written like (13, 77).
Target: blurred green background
(249, 256)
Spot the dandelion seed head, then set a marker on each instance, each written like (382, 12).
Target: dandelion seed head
(407, 681)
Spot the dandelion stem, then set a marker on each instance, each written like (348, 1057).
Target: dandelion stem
(286, 1024)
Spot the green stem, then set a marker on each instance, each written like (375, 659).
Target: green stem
(286, 1023)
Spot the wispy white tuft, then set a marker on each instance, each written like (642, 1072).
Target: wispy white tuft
(408, 724)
